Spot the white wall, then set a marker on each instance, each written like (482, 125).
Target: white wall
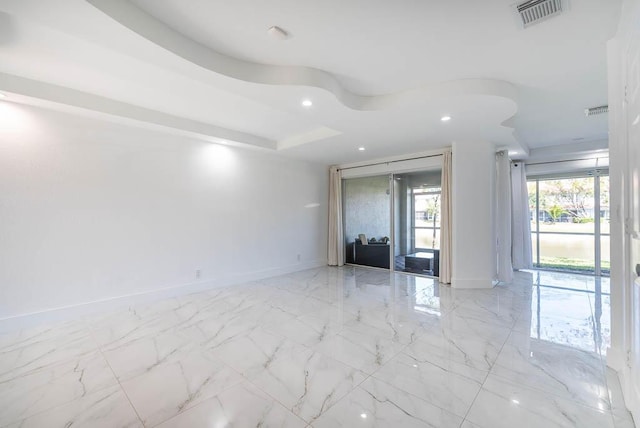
(473, 205)
(91, 210)
(624, 75)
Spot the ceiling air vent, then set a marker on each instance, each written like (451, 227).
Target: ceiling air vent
(596, 110)
(533, 11)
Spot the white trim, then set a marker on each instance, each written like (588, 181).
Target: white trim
(566, 166)
(630, 392)
(394, 158)
(113, 303)
(428, 163)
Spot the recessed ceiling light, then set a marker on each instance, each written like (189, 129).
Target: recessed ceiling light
(445, 118)
(307, 103)
(361, 149)
(363, 415)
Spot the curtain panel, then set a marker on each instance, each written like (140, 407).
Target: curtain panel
(335, 247)
(520, 219)
(446, 219)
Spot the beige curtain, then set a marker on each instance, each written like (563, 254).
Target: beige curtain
(446, 220)
(335, 253)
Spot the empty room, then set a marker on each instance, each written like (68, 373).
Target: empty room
(319, 214)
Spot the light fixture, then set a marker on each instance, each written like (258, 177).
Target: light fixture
(2, 95)
(363, 415)
(445, 118)
(514, 401)
(278, 33)
(307, 103)
(362, 149)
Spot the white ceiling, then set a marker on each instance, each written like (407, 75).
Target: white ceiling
(380, 73)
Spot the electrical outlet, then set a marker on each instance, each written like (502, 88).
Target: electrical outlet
(198, 273)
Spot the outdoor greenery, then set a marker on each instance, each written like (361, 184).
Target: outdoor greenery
(564, 263)
(555, 212)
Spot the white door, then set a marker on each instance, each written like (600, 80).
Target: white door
(633, 221)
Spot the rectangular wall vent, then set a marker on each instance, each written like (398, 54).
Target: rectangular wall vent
(534, 11)
(596, 110)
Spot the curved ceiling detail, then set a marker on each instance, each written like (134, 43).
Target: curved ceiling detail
(138, 21)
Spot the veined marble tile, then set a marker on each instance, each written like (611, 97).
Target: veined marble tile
(552, 368)
(295, 304)
(305, 330)
(307, 382)
(106, 408)
(144, 354)
(51, 386)
(488, 311)
(441, 387)
(308, 338)
(486, 330)
(16, 339)
(120, 328)
(241, 406)
(396, 324)
(461, 352)
(39, 348)
(505, 297)
(363, 351)
(178, 384)
(252, 352)
(213, 331)
(527, 408)
(377, 404)
(578, 334)
(467, 424)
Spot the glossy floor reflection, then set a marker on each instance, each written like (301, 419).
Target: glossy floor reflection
(327, 347)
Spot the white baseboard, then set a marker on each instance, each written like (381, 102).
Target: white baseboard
(117, 302)
(615, 359)
(630, 392)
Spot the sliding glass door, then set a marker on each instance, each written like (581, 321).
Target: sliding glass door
(367, 220)
(570, 222)
(416, 216)
(392, 221)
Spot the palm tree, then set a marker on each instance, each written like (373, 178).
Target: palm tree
(555, 211)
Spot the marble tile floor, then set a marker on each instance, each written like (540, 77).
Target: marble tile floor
(326, 347)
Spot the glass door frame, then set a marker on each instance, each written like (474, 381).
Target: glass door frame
(595, 175)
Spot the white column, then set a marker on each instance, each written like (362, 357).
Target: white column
(474, 238)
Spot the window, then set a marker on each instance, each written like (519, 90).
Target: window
(426, 222)
(570, 222)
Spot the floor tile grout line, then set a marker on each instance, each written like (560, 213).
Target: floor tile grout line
(494, 362)
(486, 377)
(116, 376)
